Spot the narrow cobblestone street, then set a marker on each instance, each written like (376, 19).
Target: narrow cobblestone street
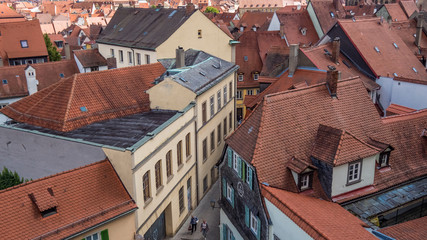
(203, 211)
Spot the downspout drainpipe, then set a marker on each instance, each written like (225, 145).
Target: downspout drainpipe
(133, 55)
(197, 158)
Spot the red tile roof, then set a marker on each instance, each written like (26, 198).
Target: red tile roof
(248, 58)
(409, 7)
(396, 12)
(318, 218)
(90, 58)
(46, 73)
(410, 230)
(249, 19)
(367, 34)
(395, 109)
(323, 10)
(8, 14)
(406, 31)
(86, 98)
(11, 35)
(294, 25)
(83, 198)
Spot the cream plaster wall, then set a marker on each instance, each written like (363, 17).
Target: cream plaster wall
(340, 174)
(122, 163)
(122, 228)
(105, 51)
(178, 96)
(213, 41)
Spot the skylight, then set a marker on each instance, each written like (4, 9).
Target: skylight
(395, 74)
(202, 73)
(172, 13)
(377, 49)
(245, 58)
(332, 15)
(415, 70)
(61, 75)
(395, 45)
(182, 79)
(4, 81)
(83, 109)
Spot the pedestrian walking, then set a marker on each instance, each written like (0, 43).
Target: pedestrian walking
(204, 228)
(193, 222)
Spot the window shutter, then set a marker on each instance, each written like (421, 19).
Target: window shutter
(230, 157)
(246, 216)
(243, 171)
(232, 197)
(250, 177)
(224, 188)
(224, 232)
(258, 232)
(104, 235)
(239, 164)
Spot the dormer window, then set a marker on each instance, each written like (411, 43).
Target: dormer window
(24, 44)
(354, 172)
(383, 161)
(240, 77)
(305, 181)
(256, 76)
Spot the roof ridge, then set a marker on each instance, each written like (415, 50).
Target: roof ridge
(395, 118)
(69, 100)
(51, 176)
(261, 121)
(338, 151)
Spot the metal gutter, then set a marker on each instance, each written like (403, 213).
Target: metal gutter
(125, 45)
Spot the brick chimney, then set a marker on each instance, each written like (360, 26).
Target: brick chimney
(293, 58)
(336, 49)
(282, 30)
(419, 32)
(336, 3)
(67, 51)
(189, 9)
(332, 78)
(180, 57)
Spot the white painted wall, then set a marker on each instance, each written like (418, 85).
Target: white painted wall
(30, 75)
(79, 64)
(385, 91)
(283, 226)
(223, 219)
(314, 19)
(105, 51)
(339, 176)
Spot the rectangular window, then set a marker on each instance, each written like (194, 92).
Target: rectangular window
(225, 127)
(187, 145)
(147, 59)
(59, 44)
(384, 159)
(212, 141)
(205, 149)
(254, 223)
(354, 171)
(204, 112)
(146, 185)
(219, 134)
(250, 92)
(24, 44)
(130, 57)
(212, 105)
(199, 33)
(240, 78)
(229, 192)
(218, 95)
(181, 200)
(112, 52)
(225, 95)
(256, 76)
(205, 183)
(179, 153)
(248, 172)
(120, 55)
(230, 119)
(257, 91)
(138, 58)
(158, 169)
(230, 90)
(169, 163)
(239, 94)
(235, 164)
(94, 69)
(305, 181)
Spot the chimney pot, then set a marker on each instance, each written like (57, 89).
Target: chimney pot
(180, 57)
(293, 58)
(419, 31)
(336, 49)
(189, 9)
(67, 51)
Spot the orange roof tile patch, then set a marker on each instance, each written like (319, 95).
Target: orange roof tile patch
(318, 218)
(72, 194)
(298, 28)
(410, 230)
(396, 12)
(8, 13)
(409, 7)
(86, 98)
(249, 19)
(395, 109)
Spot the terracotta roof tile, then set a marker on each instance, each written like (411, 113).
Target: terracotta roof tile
(406, 31)
(396, 12)
(410, 230)
(389, 59)
(323, 10)
(395, 109)
(409, 7)
(248, 58)
(8, 13)
(90, 58)
(254, 3)
(299, 166)
(294, 26)
(72, 193)
(318, 218)
(85, 98)
(249, 19)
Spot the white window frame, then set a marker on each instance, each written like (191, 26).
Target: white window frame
(239, 94)
(229, 190)
(112, 52)
(121, 56)
(240, 78)
(90, 237)
(218, 95)
(212, 105)
(225, 95)
(254, 224)
(250, 92)
(247, 174)
(305, 181)
(138, 58)
(354, 172)
(130, 57)
(235, 164)
(256, 76)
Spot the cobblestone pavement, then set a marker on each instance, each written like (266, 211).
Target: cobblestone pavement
(203, 211)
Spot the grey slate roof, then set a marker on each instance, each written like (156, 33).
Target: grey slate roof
(120, 132)
(144, 28)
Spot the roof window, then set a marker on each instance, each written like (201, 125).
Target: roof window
(83, 109)
(121, 29)
(415, 70)
(172, 13)
(377, 49)
(4, 81)
(332, 14)
(145, 33)
(245, 58)
(182, 79)
(395, 74)
(202, 73)
(395, 45)
(24, 44)
(61, 75)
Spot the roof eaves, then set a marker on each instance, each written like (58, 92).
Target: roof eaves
(218, 79)
(125, 45)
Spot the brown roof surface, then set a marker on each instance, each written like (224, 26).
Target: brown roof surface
(409, 7)
(338, 147)
(410, 230)
(294, 23)
(367, 34)
(361, 10)
(13, 32)
(248, 49)
(72, 193)
(289, 125)
(90, 58)
(323, 9)
(406, 31)
(396, 12)
(250, 19)
(395, 109)
(46, 73)
(318, 218)
(8, 13)
(86, 98)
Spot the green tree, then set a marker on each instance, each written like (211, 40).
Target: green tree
(10, 179)
(54, 55)
(211, 10)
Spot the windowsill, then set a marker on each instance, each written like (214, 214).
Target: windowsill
(169, 178)
(204, 160)
(354, 182)
(159, 189)
(180, 166)
(188, 158)
(219, 143)
(146, 203)
(213, 150)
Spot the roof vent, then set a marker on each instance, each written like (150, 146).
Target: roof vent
(395, 46)
(250, 129)
(4, 81)
(332, 14)
(61, 75)
(83, 109)
(415, 70)
(172, 13)
(115, 25)
(215, 66)
(182, 79)
(202, 73)
(395, 74)
(121, 29)
(377, 49)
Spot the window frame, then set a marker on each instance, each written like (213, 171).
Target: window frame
(250, 92)
(188, 145)
(253, 224)
(205, 149)
(169, 170)
(230, 90)
(387, 161)
(112, 52)
(225, 95)
(239, 94)
(350, 172)
(228, 193)
(230, 120)
(24, 45)
(179, 153)
(138, 58)
(181, 200)
(121, 57)
(256, 76)
(240, 77)
(212, 141)
(130, 58)
(235, 162)
(218, 95)
(305, 181)
(146, 186)
(219, 134)
(204, 113)
(212, 105)
(158, 171)
(147, 59)
(225, 127)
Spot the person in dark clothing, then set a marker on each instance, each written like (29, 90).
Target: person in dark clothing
(193, 223)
